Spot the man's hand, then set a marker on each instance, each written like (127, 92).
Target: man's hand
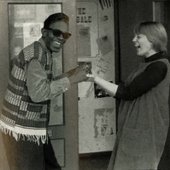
(78, 74)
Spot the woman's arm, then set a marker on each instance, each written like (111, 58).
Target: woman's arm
(144, 82)
(149, 78)
(111, 88)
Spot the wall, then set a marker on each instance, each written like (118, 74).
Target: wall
(130, 12)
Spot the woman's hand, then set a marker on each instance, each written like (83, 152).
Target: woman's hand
(79, 74)
(90, 77)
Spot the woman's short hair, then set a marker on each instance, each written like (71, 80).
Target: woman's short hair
(155, 33)
(54, 18)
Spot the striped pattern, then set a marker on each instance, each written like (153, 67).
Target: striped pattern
(21, 116)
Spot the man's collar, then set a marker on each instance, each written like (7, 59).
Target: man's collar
(41, 41)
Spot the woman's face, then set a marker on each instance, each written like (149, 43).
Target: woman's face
(143, 46)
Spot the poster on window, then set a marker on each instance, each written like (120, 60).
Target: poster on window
(99, 132)
(87, 29)
(32, 32)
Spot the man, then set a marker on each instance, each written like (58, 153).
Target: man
(25, 113)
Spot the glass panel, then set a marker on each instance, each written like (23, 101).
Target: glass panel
(95, 47)
(97, 110)
(25, 23)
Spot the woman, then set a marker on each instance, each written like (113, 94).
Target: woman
(143, 118)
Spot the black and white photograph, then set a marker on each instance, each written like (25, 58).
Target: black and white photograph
(85, 85)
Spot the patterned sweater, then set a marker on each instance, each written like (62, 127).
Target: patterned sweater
(21, 117)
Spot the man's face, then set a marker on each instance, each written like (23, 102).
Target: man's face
(55, 36)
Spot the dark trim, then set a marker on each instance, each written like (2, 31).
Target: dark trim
(117, 50)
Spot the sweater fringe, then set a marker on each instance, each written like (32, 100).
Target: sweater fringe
(39, 139)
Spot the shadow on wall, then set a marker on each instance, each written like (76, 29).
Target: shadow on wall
(3, 159)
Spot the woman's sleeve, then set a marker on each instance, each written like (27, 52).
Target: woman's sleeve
(144, 82)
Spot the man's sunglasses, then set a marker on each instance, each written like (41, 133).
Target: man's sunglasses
(58, 33)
